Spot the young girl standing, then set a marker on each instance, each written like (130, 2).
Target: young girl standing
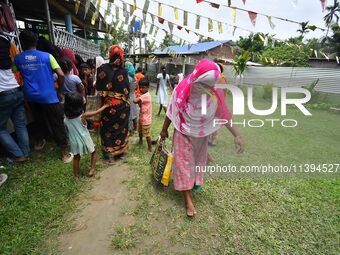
(72, 83)
(161, 91)
(192, 128)
(79, 137)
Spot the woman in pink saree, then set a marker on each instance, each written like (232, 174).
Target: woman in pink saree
(192, 128)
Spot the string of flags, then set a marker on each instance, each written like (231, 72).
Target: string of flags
(252, 15)
(145, 10)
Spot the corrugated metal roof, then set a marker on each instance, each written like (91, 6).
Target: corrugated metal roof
(329, 78)
(194, 49)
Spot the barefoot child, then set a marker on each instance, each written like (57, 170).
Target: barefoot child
(78, 134)
(145, 117)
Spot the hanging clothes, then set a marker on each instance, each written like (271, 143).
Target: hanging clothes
(7, 22)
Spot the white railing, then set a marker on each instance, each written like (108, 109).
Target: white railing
(79, 45)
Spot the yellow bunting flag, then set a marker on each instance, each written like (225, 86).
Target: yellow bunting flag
(233, 14)
(272, 25)
(160, 11)
(210, 25)
(220, 29)
(176, 13)
(93, 19)
(76, 6)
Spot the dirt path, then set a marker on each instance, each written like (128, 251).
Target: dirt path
(100, 211)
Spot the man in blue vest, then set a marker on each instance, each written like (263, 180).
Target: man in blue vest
(37, 69)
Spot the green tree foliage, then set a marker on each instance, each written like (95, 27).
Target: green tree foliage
(333, 13)
(119, 36)
(286, 55)
(254, 45)
(240, 63)
(168, 41)
(304, 29)
(332, 43)
(205, 39)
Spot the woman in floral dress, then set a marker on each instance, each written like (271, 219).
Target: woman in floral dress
(113, 86)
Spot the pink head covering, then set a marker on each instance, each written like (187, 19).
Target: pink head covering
(70, 54)
(185, 109)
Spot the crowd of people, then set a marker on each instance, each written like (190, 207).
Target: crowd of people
(68, 97)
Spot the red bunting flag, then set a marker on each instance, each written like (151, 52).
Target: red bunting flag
(160, 20)
(199, 1)
(244, 2)
(179, 27)
(252, 16)
(323, 4)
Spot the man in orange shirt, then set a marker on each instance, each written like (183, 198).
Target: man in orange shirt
(138, 76)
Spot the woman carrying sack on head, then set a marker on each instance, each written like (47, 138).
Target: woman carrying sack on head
(192, 129)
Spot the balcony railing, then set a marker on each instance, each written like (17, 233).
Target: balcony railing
(79, 45)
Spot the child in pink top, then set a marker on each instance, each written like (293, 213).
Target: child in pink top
(145, 116)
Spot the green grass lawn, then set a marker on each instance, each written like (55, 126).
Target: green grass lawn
(243, 215)
(236, 216)
(34, 201)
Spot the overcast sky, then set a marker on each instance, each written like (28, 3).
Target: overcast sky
(304, 10)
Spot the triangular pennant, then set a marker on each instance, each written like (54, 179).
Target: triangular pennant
(233, 14)
(176, 13)
(146, 6)
(229, 3)
(252, 16)
(187, 30)
(210, 25)
(244, 2)
(134, 5)
(312, 27)
(215, 5)
(156, 32)
(87, 7)
(198, 21)
(93, 19)
(199, 1)
(179, 27)
(220, 29)
(100, 24)
(160, 10)
(323, 4)
(152, 17)
(117, 12)
(132, 23)
(185, 18)
(160, 20)
(76, 6)
(234, 30)
(125, 9)
(132, 9)
(272, 25)
(171, 27)
(151, 29)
